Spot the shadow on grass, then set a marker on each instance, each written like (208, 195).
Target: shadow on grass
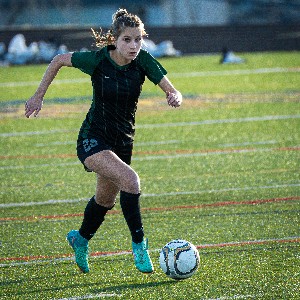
(106, 290)
(36, 285)
(134, 286)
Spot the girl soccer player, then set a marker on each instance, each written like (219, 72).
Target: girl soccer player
(105, 140)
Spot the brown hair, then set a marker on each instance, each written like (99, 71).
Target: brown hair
(121, 20)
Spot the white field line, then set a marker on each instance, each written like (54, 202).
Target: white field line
(234, 297)
(95, 296)
(188, 155)
(128, 252)
(70, 164)
(150, 143)
(161, 125)
(13, 84)
(62, 201)
(199, 154)
(29, 133)
(221, 121)
(55, 144)
(62, 259)
(146, 158)
(235, 72)
(166, 142)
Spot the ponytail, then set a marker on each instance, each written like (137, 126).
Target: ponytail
(121, 19)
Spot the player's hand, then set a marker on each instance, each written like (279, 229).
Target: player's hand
(174, 99)
(33, 105)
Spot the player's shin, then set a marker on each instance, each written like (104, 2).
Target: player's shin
(130, 205)
(93, 217)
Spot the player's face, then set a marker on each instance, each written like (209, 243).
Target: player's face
(128, 45)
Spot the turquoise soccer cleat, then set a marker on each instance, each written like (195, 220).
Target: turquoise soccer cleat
(81, 249)
(142, 259)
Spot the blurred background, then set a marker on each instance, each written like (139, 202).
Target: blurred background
(192, 26)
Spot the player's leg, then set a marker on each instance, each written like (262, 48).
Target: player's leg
(94, 214)
(120, 176)
(109, 165)
(98, 206)
(131, 210)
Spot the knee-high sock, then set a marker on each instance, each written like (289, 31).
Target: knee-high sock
(130, 205)
(93, 217)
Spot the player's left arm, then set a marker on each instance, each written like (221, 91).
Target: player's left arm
(174, 97)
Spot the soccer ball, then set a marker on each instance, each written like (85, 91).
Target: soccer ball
(179, 259)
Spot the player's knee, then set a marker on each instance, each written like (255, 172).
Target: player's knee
(108, 202)
(132, 183)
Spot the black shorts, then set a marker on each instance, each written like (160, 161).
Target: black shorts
(90, 146)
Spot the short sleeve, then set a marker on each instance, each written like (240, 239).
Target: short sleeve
(86, 61)
(152, 68)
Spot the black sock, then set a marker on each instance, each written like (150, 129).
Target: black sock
(130, 205)
(93, 217)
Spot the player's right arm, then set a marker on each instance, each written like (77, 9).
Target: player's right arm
(35, 103)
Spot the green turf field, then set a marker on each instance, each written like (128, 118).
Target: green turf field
(222, 172)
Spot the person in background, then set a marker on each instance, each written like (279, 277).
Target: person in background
(228, 57)
(105, 140)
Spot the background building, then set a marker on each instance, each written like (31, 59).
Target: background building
(194, 26)
(154, 12)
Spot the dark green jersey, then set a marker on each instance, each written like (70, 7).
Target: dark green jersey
(116, 90)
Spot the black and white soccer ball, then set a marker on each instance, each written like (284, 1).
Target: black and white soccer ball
(179, 259)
